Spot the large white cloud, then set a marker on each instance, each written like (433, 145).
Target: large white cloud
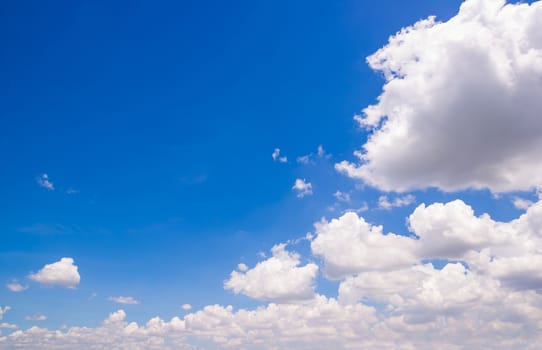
(279, 278)
(350, 245)
(461, 104)
(61, 273)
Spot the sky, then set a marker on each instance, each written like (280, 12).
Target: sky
(271, 175)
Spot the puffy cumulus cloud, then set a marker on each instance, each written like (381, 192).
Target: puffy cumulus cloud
(349, 245)
(124, 300)
(466, 92)
(15, 286)
(302, 188)
(279, 278)
(510, 251)
(61, 273)
(450, 230)
(421, 293)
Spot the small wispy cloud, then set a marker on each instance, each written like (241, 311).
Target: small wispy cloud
(521, 203)
(342, 196)
(124, 300)
(16, 287)
(385, 203)
(44, 181)
(277, 158)
(311, 157)
(302, 187)
(186, 307)
(306, 159)
(36, 317)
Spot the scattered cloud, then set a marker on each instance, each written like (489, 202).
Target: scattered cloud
(15, 286)
(61, 273)
(385, 203)
(36, 317)
(277, 158)
(311, 157)
(43, 181)
(304, 159)
(124, 300)
(186, 307)
(302, 187)
(279, 278)
(342, 196)
(440, 96)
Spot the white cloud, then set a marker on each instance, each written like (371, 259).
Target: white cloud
(342, 196)
(384, 202)
(521, 203)
(186, 307)
(61, 273)
(276, 156)
(15, 286)
(279, 278)
(124, 300)
(304, 159)
(302, 187)
(311, 157)
(44, 182)
(36, 317)
(350, 245)
(6, 325)
(3, 310)
(114, 333)
(460, 107)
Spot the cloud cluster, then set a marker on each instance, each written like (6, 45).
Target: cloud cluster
(460, 107)
(62, 273)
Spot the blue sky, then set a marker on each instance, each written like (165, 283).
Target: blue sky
(137, 139)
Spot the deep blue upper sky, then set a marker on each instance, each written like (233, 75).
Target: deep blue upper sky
(162, 118)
